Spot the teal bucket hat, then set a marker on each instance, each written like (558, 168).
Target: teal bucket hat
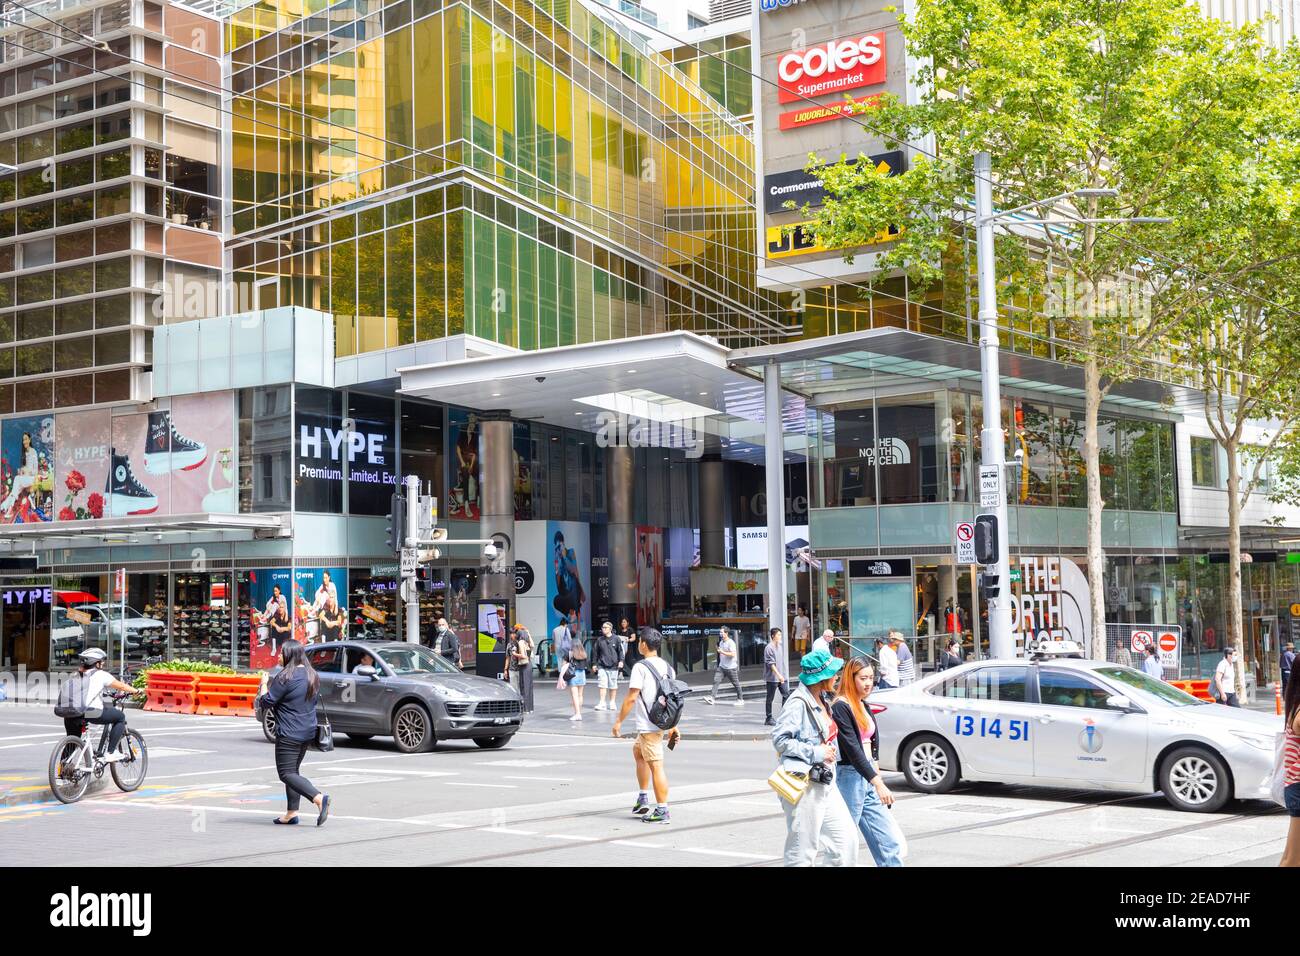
(817, 666)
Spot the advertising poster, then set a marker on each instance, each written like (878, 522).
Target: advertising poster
(568, 587)
(751, 547)
(201, 454)
(269, 592)
(649, 575)
(463, 496)
(81, 461)
(682, 556)
(141, 463)
(27, 470)
(600, 574)
(319, 598)
(371, 451)
(523, 457)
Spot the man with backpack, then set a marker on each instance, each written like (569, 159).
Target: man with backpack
(658, 698)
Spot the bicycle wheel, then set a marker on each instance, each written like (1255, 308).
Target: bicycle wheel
(68, 782)
(129, 773)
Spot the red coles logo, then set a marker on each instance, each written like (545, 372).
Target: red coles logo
(831, 67)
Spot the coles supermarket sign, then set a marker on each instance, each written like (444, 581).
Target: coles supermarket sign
(831, 67)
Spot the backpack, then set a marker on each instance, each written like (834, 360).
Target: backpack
(72, 697)
(669, 699)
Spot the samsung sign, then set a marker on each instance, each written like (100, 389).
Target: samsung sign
(801, 187)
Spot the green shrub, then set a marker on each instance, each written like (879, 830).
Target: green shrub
(185, 667)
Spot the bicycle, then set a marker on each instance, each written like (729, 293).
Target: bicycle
(73, 764)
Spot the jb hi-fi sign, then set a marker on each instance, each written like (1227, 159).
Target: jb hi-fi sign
(832, 67)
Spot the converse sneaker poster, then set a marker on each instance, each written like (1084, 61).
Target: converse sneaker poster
(201, 454)
(131, 488)
(27, 470)
(81, 464)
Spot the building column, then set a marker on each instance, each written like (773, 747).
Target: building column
(774, 463)
(713, 504)
(620, 500)
(497, 493)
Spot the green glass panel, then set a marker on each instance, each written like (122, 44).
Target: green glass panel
(400, 250)
(430, 278)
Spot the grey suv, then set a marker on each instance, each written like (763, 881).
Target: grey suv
(409, 693)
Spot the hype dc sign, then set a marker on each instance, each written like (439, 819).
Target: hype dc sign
(831, 67)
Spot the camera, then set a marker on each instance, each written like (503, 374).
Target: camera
(821, 774)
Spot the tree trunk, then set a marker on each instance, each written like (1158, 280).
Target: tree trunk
(1235, 633)
(1092, 475)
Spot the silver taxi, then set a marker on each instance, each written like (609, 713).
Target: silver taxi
(1062, 721)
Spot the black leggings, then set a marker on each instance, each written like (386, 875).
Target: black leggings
(288, 759)
(113, 718)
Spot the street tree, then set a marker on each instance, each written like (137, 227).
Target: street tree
(1071, 97)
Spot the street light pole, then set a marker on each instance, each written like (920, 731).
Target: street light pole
(993, 450)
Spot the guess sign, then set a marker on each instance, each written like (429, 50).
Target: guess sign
(831, 67)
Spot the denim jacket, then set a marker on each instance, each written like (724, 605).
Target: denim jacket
(797, 737)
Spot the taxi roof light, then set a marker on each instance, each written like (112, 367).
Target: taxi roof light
(1046, 648)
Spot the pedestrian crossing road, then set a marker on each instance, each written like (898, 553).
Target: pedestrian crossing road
(547, 800)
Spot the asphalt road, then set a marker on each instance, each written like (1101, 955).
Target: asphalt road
(548, 799)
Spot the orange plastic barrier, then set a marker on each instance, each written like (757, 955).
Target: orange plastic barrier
(227, 695)
(171, 692)
(1199, 689)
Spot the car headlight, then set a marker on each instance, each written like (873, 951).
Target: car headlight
(1258, 741)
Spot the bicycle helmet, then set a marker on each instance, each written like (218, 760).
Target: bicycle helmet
(92, 656)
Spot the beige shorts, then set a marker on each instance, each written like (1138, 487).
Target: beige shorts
(650, 747)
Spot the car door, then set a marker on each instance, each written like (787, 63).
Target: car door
(986, 713)
(328, 662)
(367, 700)
(1078, 737)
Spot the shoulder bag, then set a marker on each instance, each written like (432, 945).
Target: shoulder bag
(324, 740)
(791, 786)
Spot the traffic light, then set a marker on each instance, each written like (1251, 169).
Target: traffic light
(986, 539)
(989, 585)
(395, 528)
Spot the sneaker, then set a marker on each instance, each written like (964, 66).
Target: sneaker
(126, 495)
(769, 722)
(576, 717)
(739, 703)
(641, 807)
(657, 815)
(114, 757)
(600, 707)
(166, 450)
(709, 701)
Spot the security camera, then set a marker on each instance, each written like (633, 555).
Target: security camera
(541, 379)
(490, 551)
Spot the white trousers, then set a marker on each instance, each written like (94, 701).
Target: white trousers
(820, 822)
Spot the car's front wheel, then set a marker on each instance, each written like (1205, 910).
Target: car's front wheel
(268, 724)
(1195, 780)
(493, 743)
(412, 729)
(930, 764)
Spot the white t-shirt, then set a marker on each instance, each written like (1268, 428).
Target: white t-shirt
(643, 681)
(821, 644)
(888, 665)
(1153, 667)
(801, 626)
(1224, 673)
(97, 682)
(728, 663)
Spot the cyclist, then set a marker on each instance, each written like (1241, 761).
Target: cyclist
(90, 664)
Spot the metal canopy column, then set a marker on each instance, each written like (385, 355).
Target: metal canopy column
(620, 475)
(774, 462)
(497, 485)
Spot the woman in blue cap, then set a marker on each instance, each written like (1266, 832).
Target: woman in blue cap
(805, 740)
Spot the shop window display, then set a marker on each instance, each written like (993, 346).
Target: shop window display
(372, 607)
(201, 618)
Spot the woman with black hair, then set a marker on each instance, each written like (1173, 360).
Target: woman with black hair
(292, 695)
